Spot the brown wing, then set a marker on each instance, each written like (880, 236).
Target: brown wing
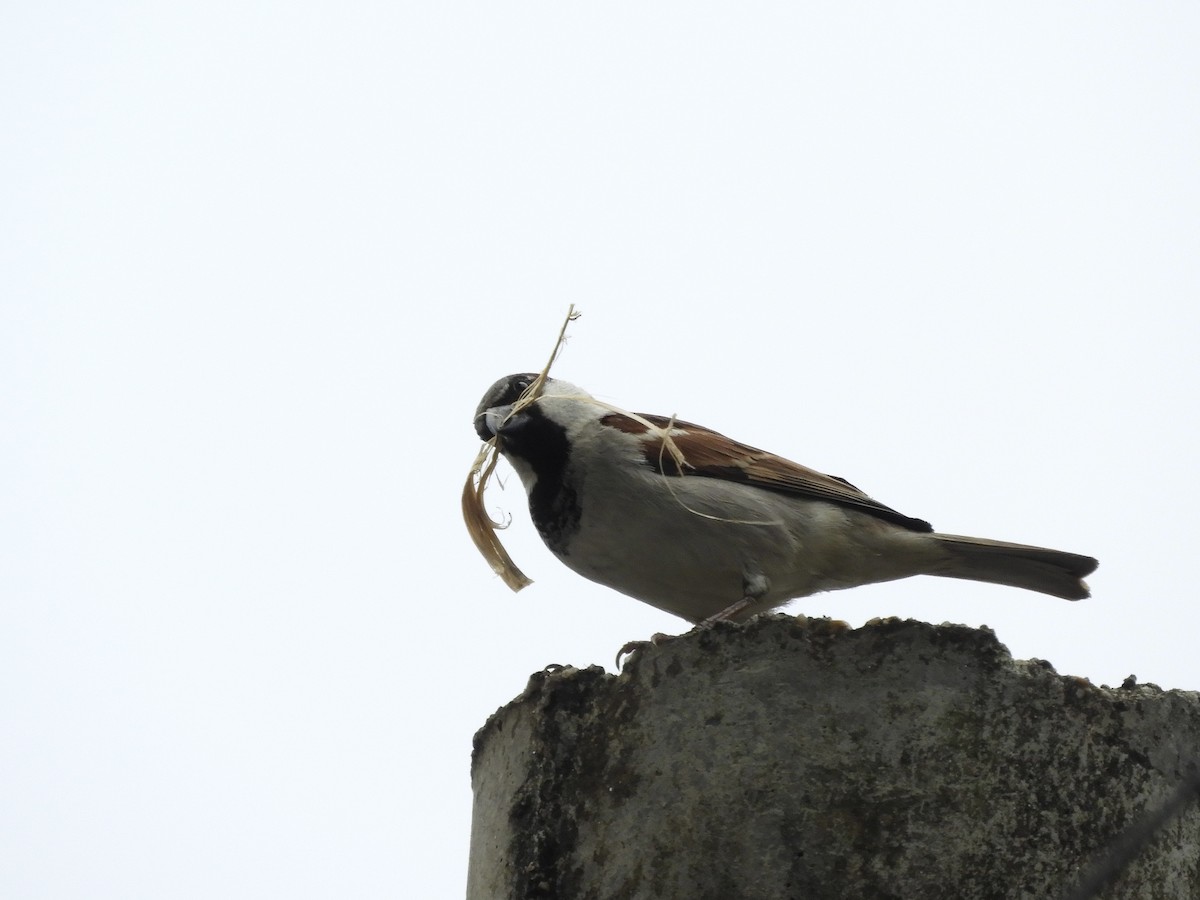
(708, 454)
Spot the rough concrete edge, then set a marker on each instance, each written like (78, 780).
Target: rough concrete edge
(819, 632)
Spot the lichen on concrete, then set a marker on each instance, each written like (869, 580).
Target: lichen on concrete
(795, 757)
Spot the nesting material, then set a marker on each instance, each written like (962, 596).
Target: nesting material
(480, 525)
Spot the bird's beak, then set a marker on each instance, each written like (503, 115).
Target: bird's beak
(489, 422)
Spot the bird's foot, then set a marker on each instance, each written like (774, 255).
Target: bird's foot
(728, 613)
(655, 640)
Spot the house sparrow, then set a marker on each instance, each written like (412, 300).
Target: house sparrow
(706, 528)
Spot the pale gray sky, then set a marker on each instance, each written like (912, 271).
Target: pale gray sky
(258, 262)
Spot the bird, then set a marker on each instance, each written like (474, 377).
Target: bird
(707, 528)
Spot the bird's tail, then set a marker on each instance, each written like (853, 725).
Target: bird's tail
(1051, 572)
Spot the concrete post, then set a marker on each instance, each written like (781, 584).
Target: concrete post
(797, 758)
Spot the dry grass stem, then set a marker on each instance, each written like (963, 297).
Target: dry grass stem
(480, 525)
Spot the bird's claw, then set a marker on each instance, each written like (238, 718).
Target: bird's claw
(655, 640)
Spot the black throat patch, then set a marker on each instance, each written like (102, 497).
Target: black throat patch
(553, 502)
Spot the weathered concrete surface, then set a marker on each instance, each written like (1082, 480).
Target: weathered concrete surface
(796, 758)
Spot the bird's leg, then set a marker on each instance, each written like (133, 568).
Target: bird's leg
(727, 613)
(754, 587)
(655, 640)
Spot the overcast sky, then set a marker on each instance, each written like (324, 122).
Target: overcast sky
(259, 261)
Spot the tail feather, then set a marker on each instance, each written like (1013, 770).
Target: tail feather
(1051, 572)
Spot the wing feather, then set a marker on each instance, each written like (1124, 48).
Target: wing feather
(708, 454)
